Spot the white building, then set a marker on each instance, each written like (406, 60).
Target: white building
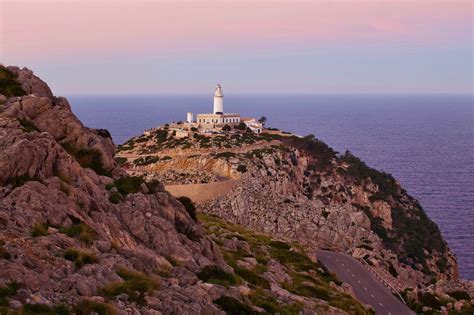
(218, 117)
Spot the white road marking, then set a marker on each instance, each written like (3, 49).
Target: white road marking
(381, 304)
(365, 288)
(347, 269)
(372, 296)
(343, 265)
(353, 276)
(358, 281)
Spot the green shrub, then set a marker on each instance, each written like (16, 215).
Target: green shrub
(310, 291)
(4, 254)
(9, 86)
(233, 306)
(147, 160)
(252, 278)
(430, 300)
(104, 133)
(242, 168)
(8, 291)
(120, 160)
(80, 258)
(166, 158)
(39, 229)
(88, 158)
(115, 197)
(80, 231)
(28, 125)
(128, 184)
(43, 309)
(316, 148)
(460, 295)
(18, 181)
(225, 155)
(214, 274)
(189, 206)
(135, 285)
(88, 307)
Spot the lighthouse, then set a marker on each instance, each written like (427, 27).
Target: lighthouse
(218, 100)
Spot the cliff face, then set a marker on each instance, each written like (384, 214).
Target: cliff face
(301, 190)
(77, 234)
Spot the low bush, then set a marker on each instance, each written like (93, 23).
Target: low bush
(4, 254)
(18, 181)
(8, 291)
(310, 291)
(147, 160)
(314, 147)
(80, 231)
(460, 295)
(214, 274)
(28, 125)
(225, 155)
(80, 258)
(115, 197)
(252, 278)
(128, 184)
(104, 133)
(88, 158)
(39, 229)
(88, 307)
(9, 86)
(120, 160)
(135, 284)
(189, 206)
(242, 168)
(44, 309)
(233, 306)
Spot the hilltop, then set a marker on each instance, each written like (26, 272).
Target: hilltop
(299, 189)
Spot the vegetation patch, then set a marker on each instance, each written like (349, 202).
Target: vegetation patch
(323, 154)
(215, 275)
(460, 295)
(147, 160)
(9, 86)
(189, 206)
(81, 231)
(6, 291)
(128, 184)
(80, 258)
(18, 181)
(135, 284)
(121, 160)
(88, 158)
(43, 309)
(242, 168)
(233, 306)
(252, 277)
(88, 307)
(27, 125)
(40, 229)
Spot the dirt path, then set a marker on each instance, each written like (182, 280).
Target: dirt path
(200, 193)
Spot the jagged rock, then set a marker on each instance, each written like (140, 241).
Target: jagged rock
(31, 83)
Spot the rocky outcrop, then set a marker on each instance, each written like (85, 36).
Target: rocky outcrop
(301, 190)
(76, 232)
(30, 83)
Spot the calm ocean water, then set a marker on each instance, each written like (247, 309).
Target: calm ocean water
(426, 142)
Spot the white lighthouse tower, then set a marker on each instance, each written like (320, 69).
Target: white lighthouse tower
(218, 100)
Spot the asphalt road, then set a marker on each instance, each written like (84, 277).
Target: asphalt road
(366, 287)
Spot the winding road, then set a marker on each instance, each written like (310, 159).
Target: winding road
(366, 287)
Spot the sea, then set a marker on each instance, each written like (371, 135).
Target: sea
(425, 141)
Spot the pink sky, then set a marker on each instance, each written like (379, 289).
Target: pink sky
(33, 30)
(311, 46)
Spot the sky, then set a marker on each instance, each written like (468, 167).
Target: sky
(259, 46)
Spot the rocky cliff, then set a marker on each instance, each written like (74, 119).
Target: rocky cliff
(79, 235)
(299, 189)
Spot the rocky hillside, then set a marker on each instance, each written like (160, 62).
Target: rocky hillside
(79, 235)
(299, 189)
